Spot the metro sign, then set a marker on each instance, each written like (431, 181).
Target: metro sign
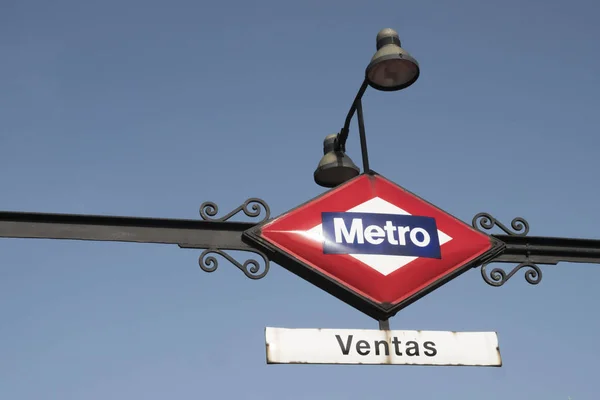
(373, 244)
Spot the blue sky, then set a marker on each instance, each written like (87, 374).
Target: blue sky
(149, 108)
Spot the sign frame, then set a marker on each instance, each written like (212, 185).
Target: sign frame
(378, 311)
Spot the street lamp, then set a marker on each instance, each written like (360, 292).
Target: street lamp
(390, 69)
(335, 167)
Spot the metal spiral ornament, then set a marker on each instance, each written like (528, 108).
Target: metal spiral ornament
(485, 222)
(252, 207)
(498, 276)
(251, 267)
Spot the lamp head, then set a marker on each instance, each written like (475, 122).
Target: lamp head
(391, 68)
(335, 167)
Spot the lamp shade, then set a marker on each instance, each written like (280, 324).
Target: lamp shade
(335, 167)
(392, 67)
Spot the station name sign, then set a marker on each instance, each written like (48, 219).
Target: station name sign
(380, 347)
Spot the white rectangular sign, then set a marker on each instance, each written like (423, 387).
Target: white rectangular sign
(362, 346)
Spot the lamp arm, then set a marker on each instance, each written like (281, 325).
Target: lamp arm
(340, 140)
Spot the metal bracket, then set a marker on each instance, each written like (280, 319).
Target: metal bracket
(498, 276)
(253, 207)
(485, 222)
(208, 210)
(531, 251)
(251, 267)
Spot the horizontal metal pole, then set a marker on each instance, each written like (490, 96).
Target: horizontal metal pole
(548, 250)
(186, 233)
(201, 234)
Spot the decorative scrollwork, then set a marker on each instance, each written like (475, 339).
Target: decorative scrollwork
(484, 221)
(251, 267)
(251, 207)
(498, 276)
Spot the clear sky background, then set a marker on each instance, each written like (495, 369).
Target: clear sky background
(149, 108)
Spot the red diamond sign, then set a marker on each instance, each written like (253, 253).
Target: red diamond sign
(373, 244)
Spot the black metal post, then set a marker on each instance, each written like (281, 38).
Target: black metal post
(363, 137)
(186, 233)
(384, 325)
(549, 250)
(214, 234)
